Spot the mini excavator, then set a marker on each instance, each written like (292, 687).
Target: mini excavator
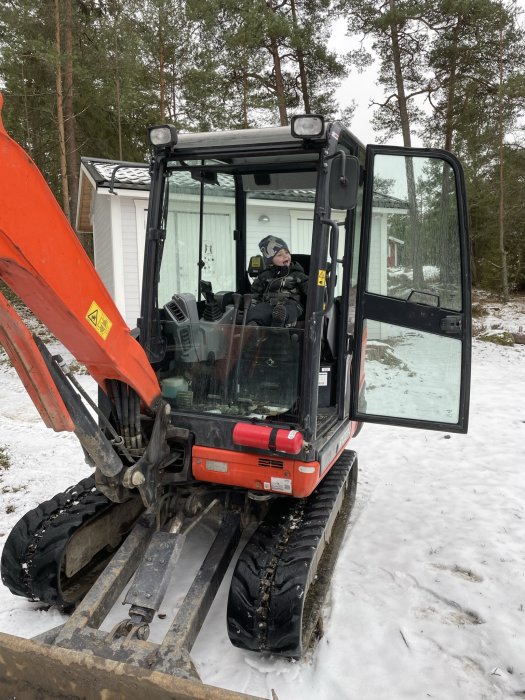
(202, 417)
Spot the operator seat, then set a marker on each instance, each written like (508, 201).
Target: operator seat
(303, 260)
(257, 264)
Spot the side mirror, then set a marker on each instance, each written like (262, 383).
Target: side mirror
(344, 181)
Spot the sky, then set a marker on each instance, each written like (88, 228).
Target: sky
(428, 596)
(360, 88)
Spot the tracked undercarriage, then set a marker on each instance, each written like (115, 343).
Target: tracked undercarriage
(276, 594)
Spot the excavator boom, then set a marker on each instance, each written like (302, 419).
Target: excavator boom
(43, 262)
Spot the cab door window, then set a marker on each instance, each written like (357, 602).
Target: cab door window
(414, 312)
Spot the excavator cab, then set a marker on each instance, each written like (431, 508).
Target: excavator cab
(385, 333)
(202, 416)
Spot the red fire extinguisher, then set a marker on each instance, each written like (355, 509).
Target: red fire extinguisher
(266, 438)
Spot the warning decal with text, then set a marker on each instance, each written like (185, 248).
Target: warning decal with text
(98, 319)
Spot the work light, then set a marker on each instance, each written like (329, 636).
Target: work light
(307, 126)
(164, 135)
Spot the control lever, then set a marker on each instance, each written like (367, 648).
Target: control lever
(237, 298)
(246, 303)
(206, 290)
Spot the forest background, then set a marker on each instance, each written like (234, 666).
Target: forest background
(85, 77)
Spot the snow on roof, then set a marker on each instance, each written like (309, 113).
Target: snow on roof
(105, 172)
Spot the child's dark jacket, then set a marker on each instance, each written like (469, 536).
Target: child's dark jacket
(278, 285)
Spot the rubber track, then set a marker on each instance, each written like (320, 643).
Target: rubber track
(32, 556)
(269, 593)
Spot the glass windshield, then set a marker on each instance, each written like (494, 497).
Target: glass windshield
(411, 374)
(232, 369)
(216, 362)
(180, 260)
(280, 204)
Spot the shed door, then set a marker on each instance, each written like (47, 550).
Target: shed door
(182, 250)
(301, 231)
(411, 364)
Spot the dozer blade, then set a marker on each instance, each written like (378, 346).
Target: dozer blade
(33, 671)
(79, 661)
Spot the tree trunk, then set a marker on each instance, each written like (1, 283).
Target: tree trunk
(60, 113)
(415, 227)
(162, 77)
(501, 211)
(451, 93)
(72, 159)
(117, 95)
(279, 82)
(400, 84)
(27, 130)
(301, 63)
(245, 123)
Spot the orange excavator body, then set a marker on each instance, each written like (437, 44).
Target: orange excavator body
(43, 262)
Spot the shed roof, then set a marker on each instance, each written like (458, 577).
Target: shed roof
(98, 173)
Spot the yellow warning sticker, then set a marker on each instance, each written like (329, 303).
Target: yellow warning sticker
(321, 278)
(99, 320)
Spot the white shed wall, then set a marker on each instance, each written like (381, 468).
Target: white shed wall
(279, 223)
(102, 244)
(130, 281)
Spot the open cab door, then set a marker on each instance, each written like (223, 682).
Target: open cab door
(411, 364)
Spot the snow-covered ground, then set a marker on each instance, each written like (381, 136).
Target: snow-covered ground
(428, 597)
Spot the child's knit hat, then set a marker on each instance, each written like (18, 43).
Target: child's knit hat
(270, 246)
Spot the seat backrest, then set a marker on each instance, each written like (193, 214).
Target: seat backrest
(303, 260)
(256, 265)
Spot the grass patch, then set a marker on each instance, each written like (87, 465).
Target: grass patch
(34, 325)
(4, 459)
(504, 338)
(9, 294)
(383, 353)
(77, 368)
(478, 311)
(14, 489)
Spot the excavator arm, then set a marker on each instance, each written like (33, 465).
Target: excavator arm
(43, 262)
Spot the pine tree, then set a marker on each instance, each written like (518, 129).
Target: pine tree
(477, 96)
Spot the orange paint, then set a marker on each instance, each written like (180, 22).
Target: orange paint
(257, 472)
(43, 262)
